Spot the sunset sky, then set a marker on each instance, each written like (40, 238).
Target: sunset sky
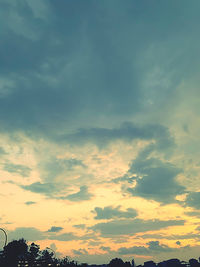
(100, 127)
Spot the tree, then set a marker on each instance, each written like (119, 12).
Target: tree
(117, 262)
(194, 263)
(34, 253)
(15, 251)
(67, 262)
(46, 258)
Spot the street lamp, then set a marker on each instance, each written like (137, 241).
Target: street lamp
(6, 238)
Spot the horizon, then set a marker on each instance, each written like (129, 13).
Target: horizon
(99, 127)
(23, 254)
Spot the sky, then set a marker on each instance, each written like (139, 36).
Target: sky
(99, 127)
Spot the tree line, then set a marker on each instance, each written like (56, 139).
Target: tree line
(18, 253)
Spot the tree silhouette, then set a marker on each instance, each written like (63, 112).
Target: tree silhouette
(117, 262)
(15, 251)
(34, 253)
(46, 258)
(18, 253)
(194, 263)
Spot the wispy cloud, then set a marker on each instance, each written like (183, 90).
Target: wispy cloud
(22, 170)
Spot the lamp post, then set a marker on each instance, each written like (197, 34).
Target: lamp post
(6, 238)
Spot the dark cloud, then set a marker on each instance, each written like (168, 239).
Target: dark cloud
(55, 229)
(130, 227)
(22, 170)
(155, 246)
(65, 65)
(138, 250)
(74, 71)
(28, 203)
(81, 195)
(127, 132)
(152, 247)
(110, 212)
(156, 179)
(193, 200)
(42, 188)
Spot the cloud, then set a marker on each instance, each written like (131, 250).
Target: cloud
(22, 170)
(155, 246)
(138, 250)
(152, 247)
(193, 200)
(28, 233)
(80, 226)
(63, 237)
(71, 236)
(80, 251)
(50, 58)
(156, 179)
(94, 243)
(55, 229)
(193, 213)
(109, 213)
(81, 72)
(89, 236)
(130, 227)
(81, 195)
(28, 203)
(170, 237)
(186, 236)
(126, 132)
(52, 168)
(123, 179)
(107, 249)
(58, 191)
(33, 234)
(2, 151)
(42, 188)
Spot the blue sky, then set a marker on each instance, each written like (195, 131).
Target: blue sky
(99, 127)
